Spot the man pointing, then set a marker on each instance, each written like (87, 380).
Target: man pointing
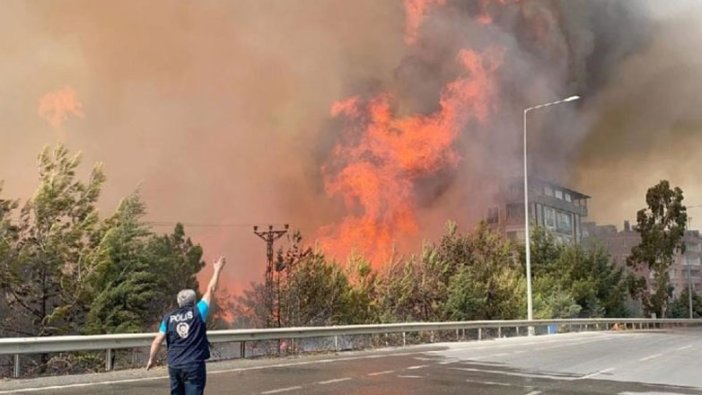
(186, 336)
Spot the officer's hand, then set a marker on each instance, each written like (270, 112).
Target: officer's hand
(219, 264)
(150, 364)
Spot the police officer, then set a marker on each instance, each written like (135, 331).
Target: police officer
(186, 336)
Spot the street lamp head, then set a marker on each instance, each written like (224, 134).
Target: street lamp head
(572, 98)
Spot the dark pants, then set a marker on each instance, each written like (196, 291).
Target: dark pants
(188, 379)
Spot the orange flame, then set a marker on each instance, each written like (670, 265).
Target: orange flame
(415, 12)
(57, 106)
(374, 167)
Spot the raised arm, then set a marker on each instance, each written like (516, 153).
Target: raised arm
(212, 286)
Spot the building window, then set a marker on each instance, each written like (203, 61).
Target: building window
(515, 211)
(567, 197)
(692, 260)
(493, 215)
(549, 217)
(559, 194)
(548, 191)
(565, 223)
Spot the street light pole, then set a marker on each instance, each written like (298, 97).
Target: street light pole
(527, 239)
(689, 289)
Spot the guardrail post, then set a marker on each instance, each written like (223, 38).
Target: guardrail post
(499, 332)
(480, 334)
(404, 339)
(517, 329)
(17, 368)
(242, 349)
(108, 360)
(463, 333)
(336, 343)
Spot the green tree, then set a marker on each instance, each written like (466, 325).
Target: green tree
(44, 279)
(8, 238)
(571, 280)
(124, 287)
(496, 269)
(414, 289)
(680, 308)
(473, 276)
(175, 260)
(597, 283)
(250, 309)
(662, 227)
(552, 300)
(316, 293)
(362, 299)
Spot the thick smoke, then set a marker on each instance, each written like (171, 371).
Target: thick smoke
(213, 109)
(219, 111)
(646, 121)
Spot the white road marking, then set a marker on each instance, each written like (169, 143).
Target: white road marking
(407, 376)
(596, 373)
(650, 357)
(563, 343)
(490, 383)
(417, 367)
(279, 390)
(534, 393)
(79, 385)
(684, 347)
(302, 363)
(532, 375)
(334, 380)
(383, 372)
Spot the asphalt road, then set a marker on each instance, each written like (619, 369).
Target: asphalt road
(663, 362)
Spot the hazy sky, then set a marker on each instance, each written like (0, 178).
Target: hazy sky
(219, 111)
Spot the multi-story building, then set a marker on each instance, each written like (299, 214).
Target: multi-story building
(686, 270)
(618, 243)
(552, 206)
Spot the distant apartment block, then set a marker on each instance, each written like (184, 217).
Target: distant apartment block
(559, 209)
(687, 267)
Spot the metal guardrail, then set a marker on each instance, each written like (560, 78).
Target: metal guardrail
(52, 344)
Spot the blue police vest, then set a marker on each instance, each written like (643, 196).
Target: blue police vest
(186, 336)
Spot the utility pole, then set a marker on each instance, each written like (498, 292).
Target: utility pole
(270, 236)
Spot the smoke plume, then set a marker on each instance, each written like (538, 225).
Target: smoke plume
(221, 112)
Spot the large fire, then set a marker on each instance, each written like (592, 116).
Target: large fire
(380, 156)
